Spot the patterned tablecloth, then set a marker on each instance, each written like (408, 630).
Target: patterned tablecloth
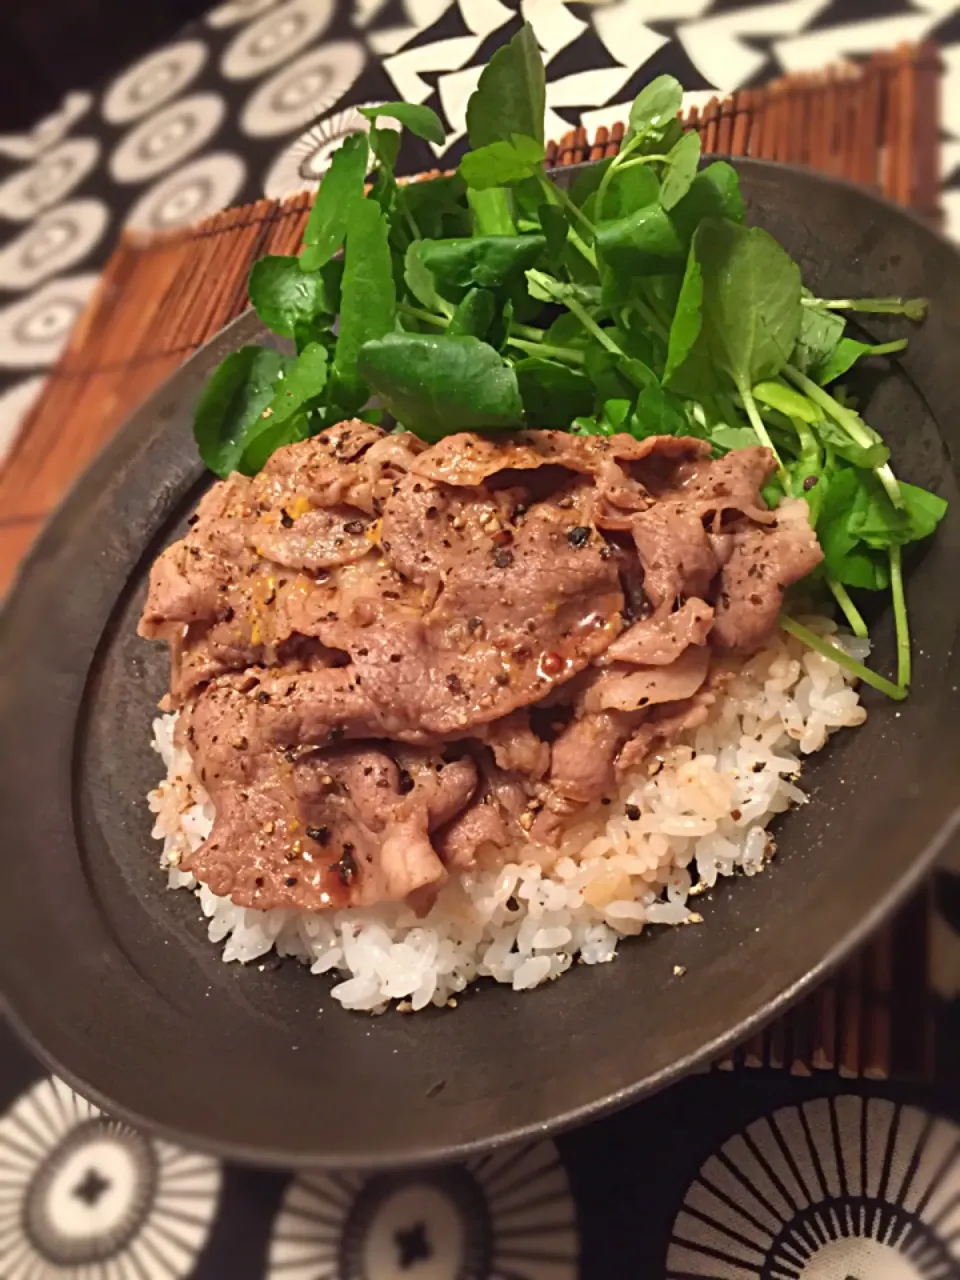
(731, 1175)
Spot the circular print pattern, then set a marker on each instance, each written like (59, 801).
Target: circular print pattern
(304, 89)
(200, 188)
(153, 80)
(507, 1215)
(836, 1189)
(275, 38)
(81, 1194)
(58, 172)
(34, 329)
(234, 12)
(167, 138)
(301, 164)
(55, 241)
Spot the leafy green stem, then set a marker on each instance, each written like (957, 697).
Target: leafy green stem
(912, 308)
(760, 429)
(618, 162)
(417, 313)
(591, 326)
(850, 610)
(569, 354)
(557, 195)
(647, 313)
(900, 617)
(850, 422)
(832, 651)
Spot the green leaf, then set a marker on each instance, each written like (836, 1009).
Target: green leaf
(511, 96)
(555, 229)
(490, 262)
(630, 189)
(847, 352)
(646, 242)
(435, 384)
(787, 401)
(820, 332)
(499, 164)
(302, 383)
(924, 509)
(385, 145)
(438, 206)
(869, 456)
(284, 295)
(368, 307)
(656, 105)
(267, 441)
(229, 410)
(491, 212)
(683, 160)
(553, 394)
(714, 193)
(474, 314)
(727, 438)
(567, 331)
(750, 308)
(419, 279)
(658, 412)
(689, 368)
(422, 121)
(340, 191)
(546, 288)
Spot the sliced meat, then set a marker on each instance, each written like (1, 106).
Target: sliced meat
(516, 748)
(657, 641)
(423, 655)
(629, 688)
(677, 558)
(717, 487)
(664, 724)
(489, 823)
(349, 827)
(763, 562)
(319, 539)
(469, 460)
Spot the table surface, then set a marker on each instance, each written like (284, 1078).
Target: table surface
(729, 1174)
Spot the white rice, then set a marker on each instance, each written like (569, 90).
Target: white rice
(705, 804)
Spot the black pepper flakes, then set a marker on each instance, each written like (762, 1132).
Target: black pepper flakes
(286, 519)
(354, 526)
(454, 684)
(263, 696)
(809, 483)
(405, 783)
(474, 624)
(229, 614)
(290, 881)
(346, 868)
(632, 811)
(512, 904)
(579, 536)
(336, 733)
(396, 657)
(320, 834)
(503, 558)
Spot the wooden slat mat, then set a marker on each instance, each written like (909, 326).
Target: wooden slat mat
(161, 298)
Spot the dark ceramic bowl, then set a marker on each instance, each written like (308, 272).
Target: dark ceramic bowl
(112, 980)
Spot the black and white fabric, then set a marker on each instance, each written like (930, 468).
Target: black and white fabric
(730, 1176)
(254, 100)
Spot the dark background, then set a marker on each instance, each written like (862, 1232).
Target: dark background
(50, 46)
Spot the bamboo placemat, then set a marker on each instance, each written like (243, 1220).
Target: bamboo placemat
(161, 298)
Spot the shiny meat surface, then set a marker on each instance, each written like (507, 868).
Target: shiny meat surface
(393, 660)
